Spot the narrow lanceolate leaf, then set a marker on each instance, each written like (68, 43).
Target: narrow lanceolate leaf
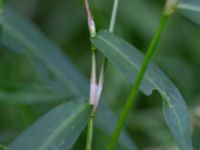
(56, 130)
(30, 97)
(11, 93)
(128, 60)
(22, 35)
(190, 9)
(29, 39)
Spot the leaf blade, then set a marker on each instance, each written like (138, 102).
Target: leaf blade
(39, 47)
(128, 60)
(190, 9)
(50, 132)
(15, 93)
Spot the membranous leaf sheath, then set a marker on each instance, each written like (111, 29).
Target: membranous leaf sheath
(128, 60)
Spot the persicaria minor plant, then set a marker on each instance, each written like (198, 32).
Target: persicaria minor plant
(60, 128)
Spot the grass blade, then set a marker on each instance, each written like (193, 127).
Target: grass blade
(37, 46)
(128, 60)
(58, 129)
(190, 9)
(13, 93)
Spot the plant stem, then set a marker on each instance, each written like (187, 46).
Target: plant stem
(93, 80)
(93, 87)
(96, 88)
(132, 97)
(111, 29)
(114, 16)
(90, 131)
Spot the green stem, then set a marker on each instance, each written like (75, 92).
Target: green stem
(92, 98)
(93, 82)
(93, 73)
(114, 16)
(111, 29)
(90, 131)
(132, 97)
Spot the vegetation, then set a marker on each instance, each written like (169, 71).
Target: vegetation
(53, 99)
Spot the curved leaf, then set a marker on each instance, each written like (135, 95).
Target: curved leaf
(13, 93)
(30, 97)
(23, 35)
(58, 129)
(190, 9)
(128, 60)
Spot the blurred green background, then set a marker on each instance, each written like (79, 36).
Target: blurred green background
(64, 23)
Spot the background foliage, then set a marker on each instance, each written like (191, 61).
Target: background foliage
(65, 24)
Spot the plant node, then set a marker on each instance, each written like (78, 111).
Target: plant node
(170, 7)
(91, 24)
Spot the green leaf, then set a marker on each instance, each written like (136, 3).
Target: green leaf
(190, 9)
(56, 130)
(30, 97)
(22, 35)
(128, 60)
(19, 34)
(11, 93)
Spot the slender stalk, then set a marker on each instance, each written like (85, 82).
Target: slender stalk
(132, 97)
(93, 80)
(90, 131)
(96, 88)
(105, 60)
(114, 16)
(93, 89)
